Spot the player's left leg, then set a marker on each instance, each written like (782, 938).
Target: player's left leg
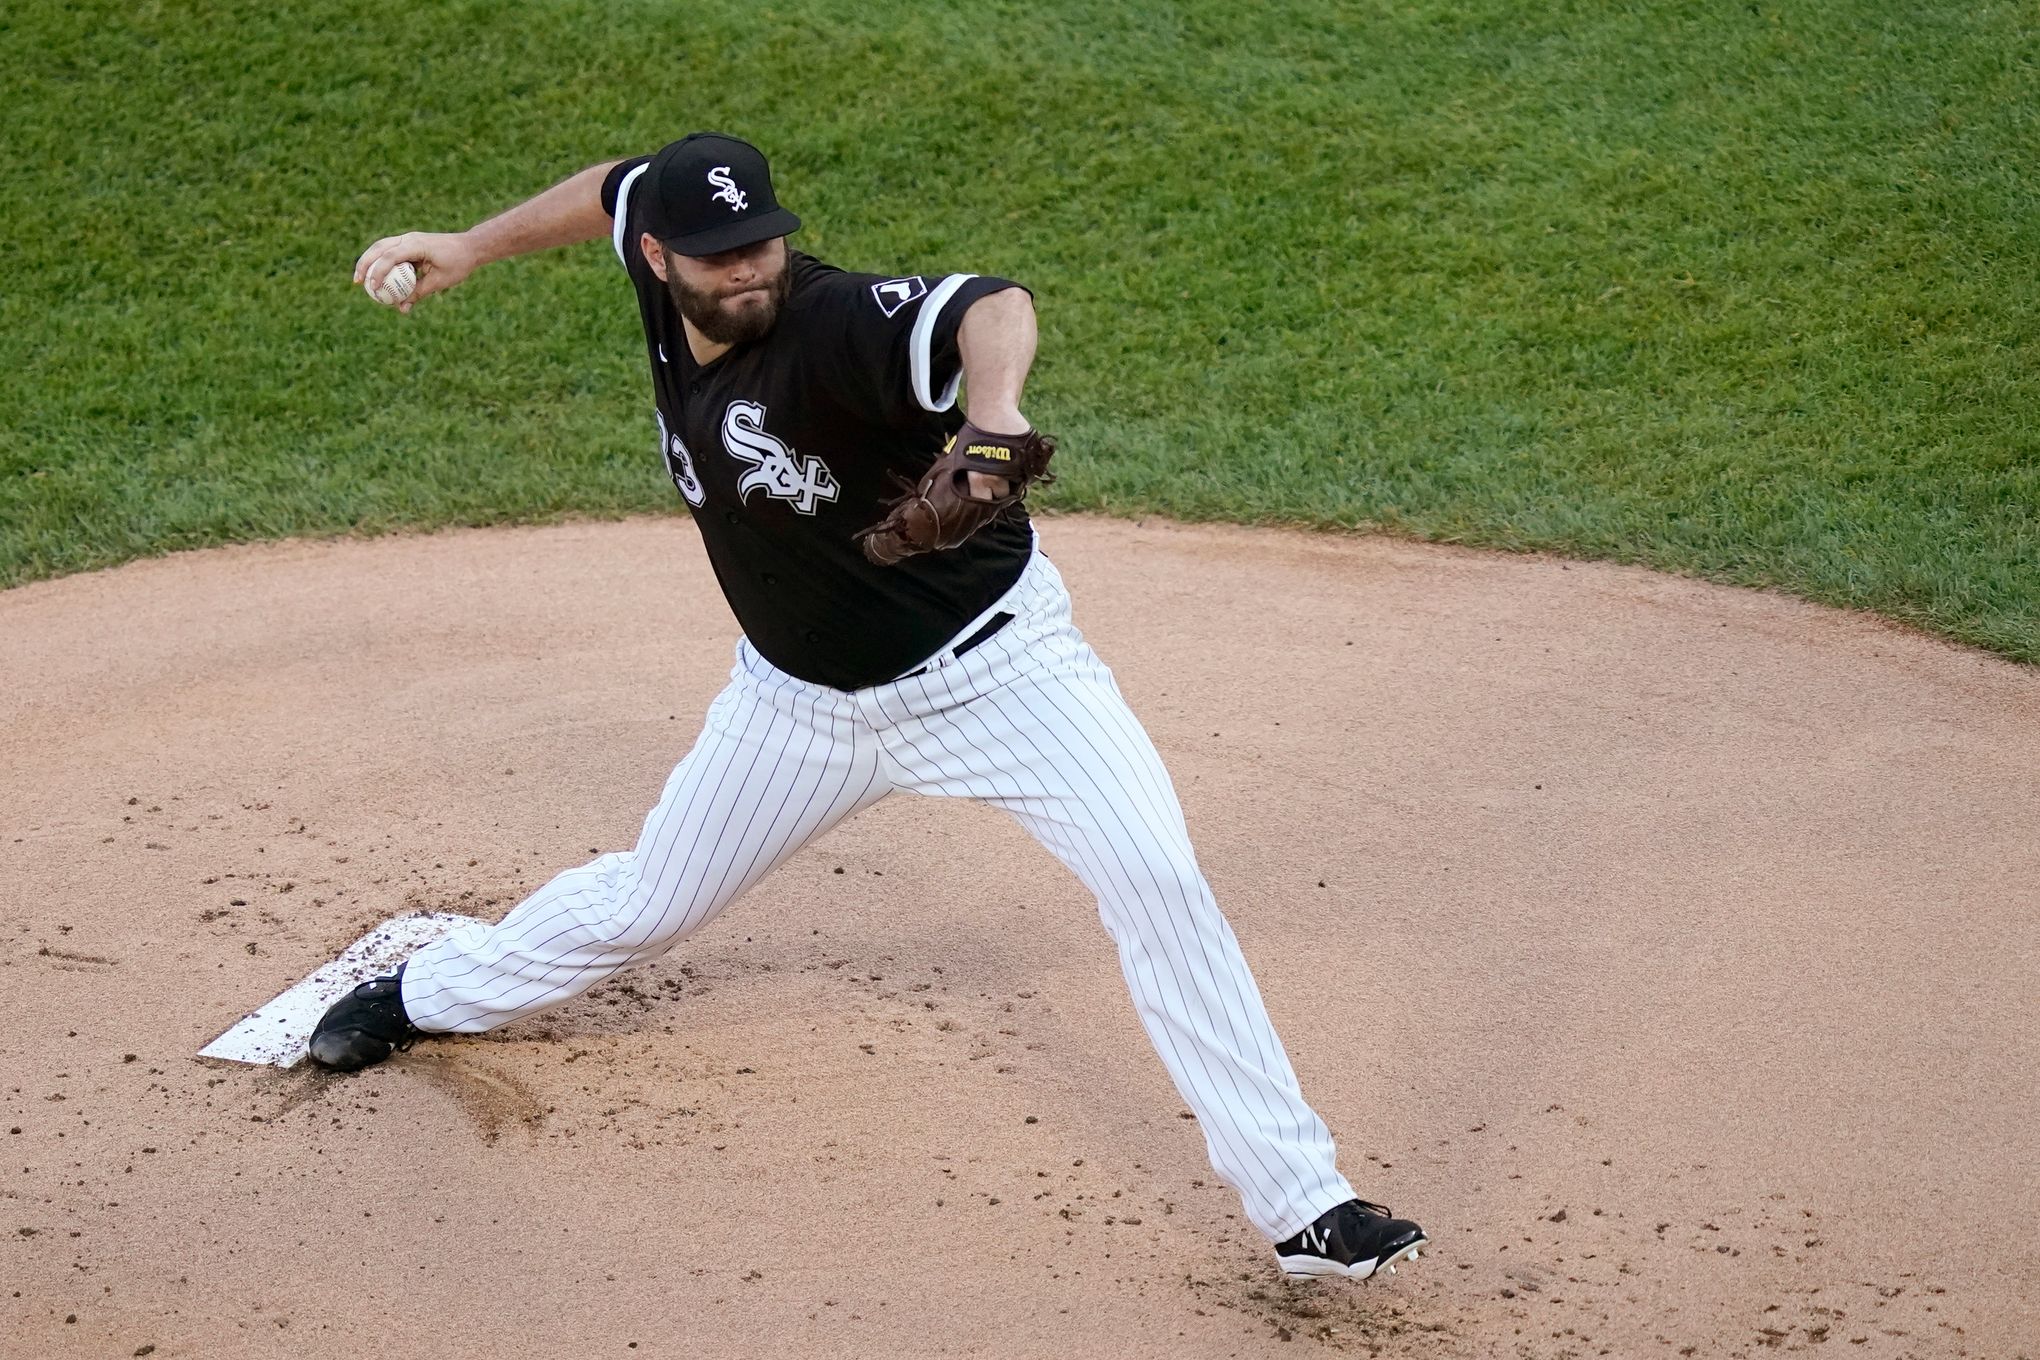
(1033, 722)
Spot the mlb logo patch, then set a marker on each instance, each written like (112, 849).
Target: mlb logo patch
(894, 294)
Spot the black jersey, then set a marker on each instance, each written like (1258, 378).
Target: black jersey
(786, 446)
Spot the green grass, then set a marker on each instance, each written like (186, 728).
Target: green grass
(1744, 290)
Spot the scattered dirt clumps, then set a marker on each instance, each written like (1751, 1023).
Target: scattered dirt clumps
(1653, 944)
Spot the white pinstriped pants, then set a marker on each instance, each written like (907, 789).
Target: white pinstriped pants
(1030, 721)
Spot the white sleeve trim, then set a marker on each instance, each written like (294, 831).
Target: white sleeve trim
(623, 212)
(919, 344)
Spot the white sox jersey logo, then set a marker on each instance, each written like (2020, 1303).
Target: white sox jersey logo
(726, 190)
(779, 471)
(894, 294)
(679, 463)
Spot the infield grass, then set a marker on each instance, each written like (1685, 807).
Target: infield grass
(1745, 290)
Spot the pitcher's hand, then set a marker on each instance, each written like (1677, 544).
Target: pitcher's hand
(442, 260)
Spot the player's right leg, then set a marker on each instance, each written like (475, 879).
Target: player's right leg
(777, 763)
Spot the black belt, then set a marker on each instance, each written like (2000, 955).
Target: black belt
(983, 634)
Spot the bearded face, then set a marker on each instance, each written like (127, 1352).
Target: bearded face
(732, 297)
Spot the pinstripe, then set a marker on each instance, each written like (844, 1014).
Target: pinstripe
(1014, 763)
(549, 903)
(720, 743)
(791, 837)
(939, 767)
(762, 703)
(1119, 745)
(1030, 721)
(934, 710)
(1219, 949)
(1152, 934)
(720, 896)
(648, 889)
(1221, 962)
(542, 970)
(1101, 881)
(543, 975)
(765, 747)
(796, 772)
(513, 932)
(923, 770)
(1134, 745)
(484, 961)
(766, 703)
(1138, 756)
(1081, 853)
(1058, 834)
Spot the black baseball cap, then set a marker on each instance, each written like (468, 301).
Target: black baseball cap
(711, 193)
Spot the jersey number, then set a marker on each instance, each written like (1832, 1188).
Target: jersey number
(776, 469)
(679, 463)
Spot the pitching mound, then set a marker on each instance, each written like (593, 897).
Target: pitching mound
(1668, 951)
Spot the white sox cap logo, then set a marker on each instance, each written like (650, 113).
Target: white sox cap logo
(726, 190)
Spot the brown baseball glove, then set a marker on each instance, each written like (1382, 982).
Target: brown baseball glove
(941, 511)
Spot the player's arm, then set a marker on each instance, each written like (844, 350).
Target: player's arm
(567, 214)
(997, 341)
(988, 465)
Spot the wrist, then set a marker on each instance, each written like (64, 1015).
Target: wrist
(475, 241)
(997, 417)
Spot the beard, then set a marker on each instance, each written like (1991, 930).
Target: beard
(721, 325)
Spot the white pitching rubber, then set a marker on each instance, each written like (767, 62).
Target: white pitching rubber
(279, 1033)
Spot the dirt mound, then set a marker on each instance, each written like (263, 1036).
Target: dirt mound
(1666, 950)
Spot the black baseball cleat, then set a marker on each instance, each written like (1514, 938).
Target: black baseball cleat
(1354, 1239)
(365, 1026)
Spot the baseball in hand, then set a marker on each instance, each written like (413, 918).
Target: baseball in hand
(396, 285)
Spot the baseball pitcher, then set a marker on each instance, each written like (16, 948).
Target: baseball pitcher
(902, 629)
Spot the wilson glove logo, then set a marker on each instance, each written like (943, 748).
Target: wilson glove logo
(726, 190)
(777, 470)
